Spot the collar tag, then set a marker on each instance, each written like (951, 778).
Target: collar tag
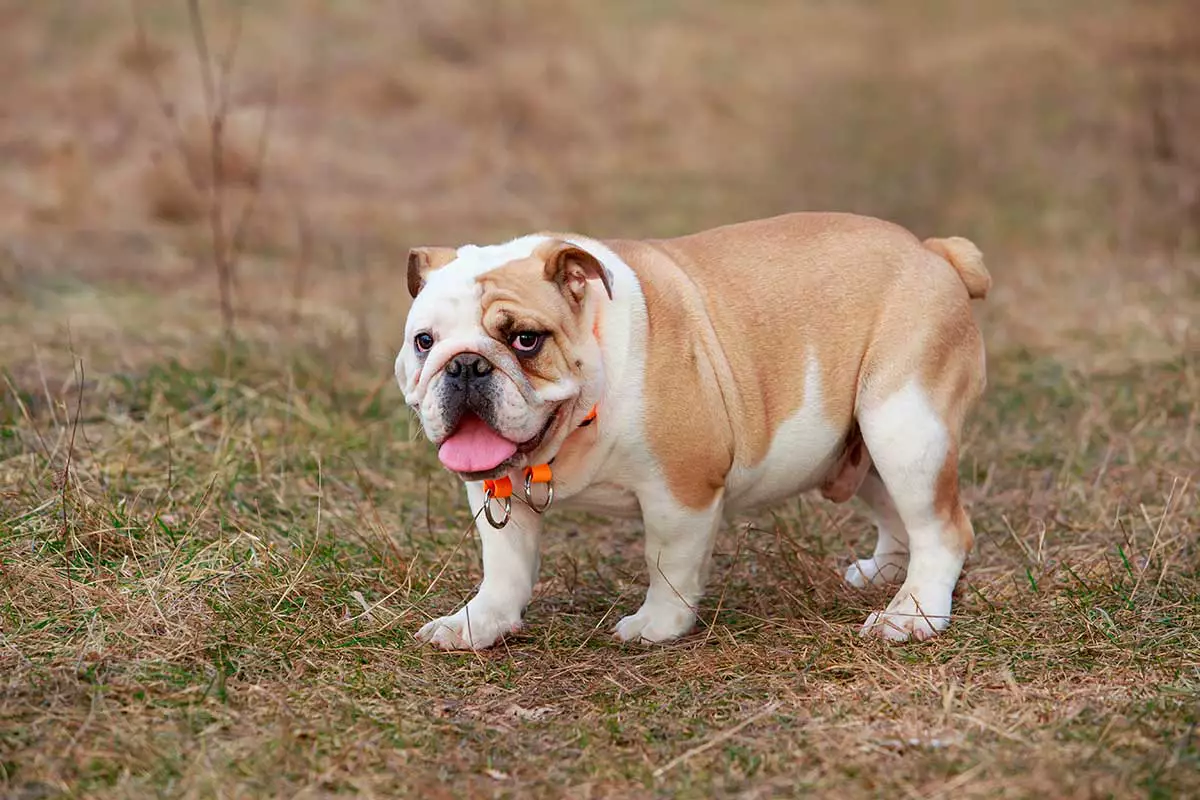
(502, 488)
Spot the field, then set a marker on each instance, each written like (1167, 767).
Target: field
(220, 528)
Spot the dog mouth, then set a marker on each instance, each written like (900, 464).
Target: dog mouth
(476, 451)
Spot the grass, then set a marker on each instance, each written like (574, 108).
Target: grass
(214, 551)
(213, 565)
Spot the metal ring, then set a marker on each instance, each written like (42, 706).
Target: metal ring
(529, 494)
(487, 511)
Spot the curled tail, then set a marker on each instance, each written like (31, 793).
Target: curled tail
(965, 257)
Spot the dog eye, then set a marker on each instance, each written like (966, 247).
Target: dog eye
(527, 343)
(423, 342)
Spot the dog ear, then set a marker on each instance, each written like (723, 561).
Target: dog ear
(422, 261)
(571, 267)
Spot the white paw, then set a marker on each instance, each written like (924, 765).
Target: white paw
(657, 623)
(468, 629)
(875, 571)
(911, 614)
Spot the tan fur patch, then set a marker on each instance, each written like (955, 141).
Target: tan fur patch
(948, 505)
(570, 268)
(517, 297)
(687, 421)
(965, 257)
(544, 293)
(735, 313)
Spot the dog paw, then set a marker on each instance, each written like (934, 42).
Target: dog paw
(468, 629)
(910, 615)
(655, 624)
(874, 572)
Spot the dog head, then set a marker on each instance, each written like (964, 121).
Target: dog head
(500, 352)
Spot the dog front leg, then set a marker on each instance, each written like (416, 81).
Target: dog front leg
(510, 567)
(679, 543)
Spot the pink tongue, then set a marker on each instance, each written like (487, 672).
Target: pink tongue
(475, 447)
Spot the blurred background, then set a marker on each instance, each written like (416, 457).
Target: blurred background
(1062, 137)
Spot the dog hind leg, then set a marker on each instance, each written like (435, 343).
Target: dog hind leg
(889, 563)
(915, 451)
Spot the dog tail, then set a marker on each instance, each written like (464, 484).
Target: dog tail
(965, 257)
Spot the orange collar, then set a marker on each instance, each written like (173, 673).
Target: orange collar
(501, 488)
(590, 418)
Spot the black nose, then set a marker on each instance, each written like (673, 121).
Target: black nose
(465, 367)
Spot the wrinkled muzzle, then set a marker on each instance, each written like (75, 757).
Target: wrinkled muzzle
(479, 419)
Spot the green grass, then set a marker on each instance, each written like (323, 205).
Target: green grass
(219, 595)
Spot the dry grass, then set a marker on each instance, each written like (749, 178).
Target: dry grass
(213, 555)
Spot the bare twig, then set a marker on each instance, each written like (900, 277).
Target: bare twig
(65, 478)
(227, 236)
(216, 109)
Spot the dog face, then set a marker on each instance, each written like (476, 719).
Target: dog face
(500, 350)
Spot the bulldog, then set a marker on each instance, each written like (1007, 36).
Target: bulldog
(683, 380)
